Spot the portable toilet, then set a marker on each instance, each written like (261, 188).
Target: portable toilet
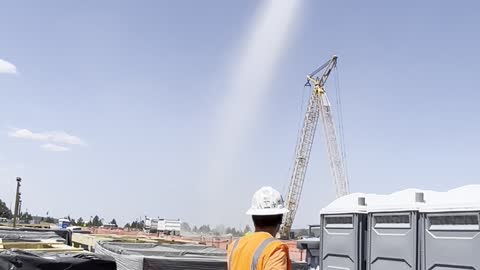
(63, 223)
(450, 234)
(343, 227)
(393, 231)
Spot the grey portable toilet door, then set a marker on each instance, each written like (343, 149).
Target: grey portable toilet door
(451, 241)
(393, 241)
(339, 242)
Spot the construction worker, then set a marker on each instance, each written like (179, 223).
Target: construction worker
(261, 250)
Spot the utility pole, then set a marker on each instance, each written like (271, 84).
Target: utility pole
(17, 202)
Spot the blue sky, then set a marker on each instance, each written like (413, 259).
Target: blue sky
(139, 87)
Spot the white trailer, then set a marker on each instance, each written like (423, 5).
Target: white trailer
(162, 225)
(151, 225)
(169, 226)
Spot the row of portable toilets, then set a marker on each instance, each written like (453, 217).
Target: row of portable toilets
(410, 229)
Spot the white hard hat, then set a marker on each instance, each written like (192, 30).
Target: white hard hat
(267, 202)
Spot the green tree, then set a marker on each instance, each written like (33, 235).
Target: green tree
(127, 226)
(204, 229)
(80, 222)
(230, 230)
(137, 225)
(26, 217)
(114, 222)
(50, 220)
(5, 212)
(247, 229)
(97, 222)
(185, 227)
(233, 231)
(219, 229)
(72, 221)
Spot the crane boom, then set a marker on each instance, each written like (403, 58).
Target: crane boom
(333, 149)
(318, 105)
(302, 155)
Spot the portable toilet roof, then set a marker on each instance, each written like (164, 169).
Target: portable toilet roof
(351, 203)
(405, 200)
(464, 198)
(459, 199)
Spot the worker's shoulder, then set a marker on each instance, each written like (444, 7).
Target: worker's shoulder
(273, 245)
(279, 252)
(278, 259)
(260, 238)
(280, 244)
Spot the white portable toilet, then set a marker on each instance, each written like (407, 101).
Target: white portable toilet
(343, 227)
(450, 229)
(392, 234)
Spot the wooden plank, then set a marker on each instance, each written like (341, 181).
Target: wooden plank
(40, 246)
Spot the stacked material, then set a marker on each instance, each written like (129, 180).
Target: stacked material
(35, 234)
(18, 259)
(164, 250)
(46, 249)
(29, 236)
(35, 240)
(149, 256)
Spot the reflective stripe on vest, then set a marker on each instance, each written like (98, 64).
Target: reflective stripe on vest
(235, 244)
(259, 251)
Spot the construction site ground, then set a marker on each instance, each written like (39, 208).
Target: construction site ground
(220, 242)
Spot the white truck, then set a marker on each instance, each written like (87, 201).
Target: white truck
(151, 225)
(162, 225)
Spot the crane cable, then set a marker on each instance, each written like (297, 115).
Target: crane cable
(338, 94)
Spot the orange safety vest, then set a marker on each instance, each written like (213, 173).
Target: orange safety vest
(253, 251)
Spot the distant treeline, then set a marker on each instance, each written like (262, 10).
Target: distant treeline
(97, 221)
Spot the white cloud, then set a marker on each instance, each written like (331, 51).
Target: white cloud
(54, 148)
(27, 134)
(60, 137)
(7, 67)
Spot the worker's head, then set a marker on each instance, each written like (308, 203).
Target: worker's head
(267, 223)
(267, 210)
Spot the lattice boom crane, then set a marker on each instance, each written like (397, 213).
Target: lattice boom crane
(318, 106)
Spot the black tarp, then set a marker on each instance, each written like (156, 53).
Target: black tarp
(34, 234)
(152, 263)
(17, 259)
(149, 256)
(164, 250)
